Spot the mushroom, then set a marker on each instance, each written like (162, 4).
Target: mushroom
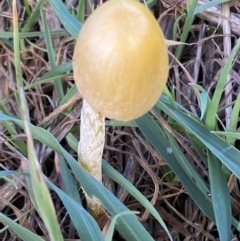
(120, 66)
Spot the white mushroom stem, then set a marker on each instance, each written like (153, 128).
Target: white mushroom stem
(90, 149)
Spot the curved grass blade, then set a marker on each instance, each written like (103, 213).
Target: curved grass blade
(118, 178)
(226, 153)
(189, 177)
(71, 24)
(220, 194)
(58, 71)
(42, 198)
(33, 17)
(84, 223)
(22, 232)
(113, 223)
(129, 227)
(214, 103)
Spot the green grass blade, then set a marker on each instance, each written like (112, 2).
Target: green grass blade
(220, 198)
(69, 185)
(51, 55)
(198, 147)
(33, 17)
(41, 193)
(54, 74)
(186, 27)
(72, 141)
(22, 35)
(113, 223)
(19, 144)
(234, 135)
(7, 173)
(70, 93)
(81, 11)
(84, 223)
(188, 176)
(123, 182)
(22, 232)
(58, 70)
(38, 83)
(10, 181)
(71, 24)
(118, 178)
(44, 80)
(226, 153)
(203, 99)
(175, 27)
(27, 7)
(234, 120)
(129, 227)
(214, 103)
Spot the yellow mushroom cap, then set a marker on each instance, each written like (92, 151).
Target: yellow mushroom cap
(120, 60)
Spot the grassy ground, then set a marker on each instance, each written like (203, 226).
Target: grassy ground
(183, 156)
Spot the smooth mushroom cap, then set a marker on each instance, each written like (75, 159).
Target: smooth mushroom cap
(120, 60)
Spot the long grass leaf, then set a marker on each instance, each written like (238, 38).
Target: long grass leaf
(51, 55)
(235, 135)
(69, 185)
(129, 227)
(33, 17)
(186, 27)
(81, 11)
(41, 193)
(167, 148)
(220, 198)
(214, 103)
(22, 232)
(118, 178)
(123, 182)
(84, 223)
(71, 24)
(226, 153)
(7, 173)
(7, 35)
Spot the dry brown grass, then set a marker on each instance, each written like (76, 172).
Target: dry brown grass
(212, 36)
